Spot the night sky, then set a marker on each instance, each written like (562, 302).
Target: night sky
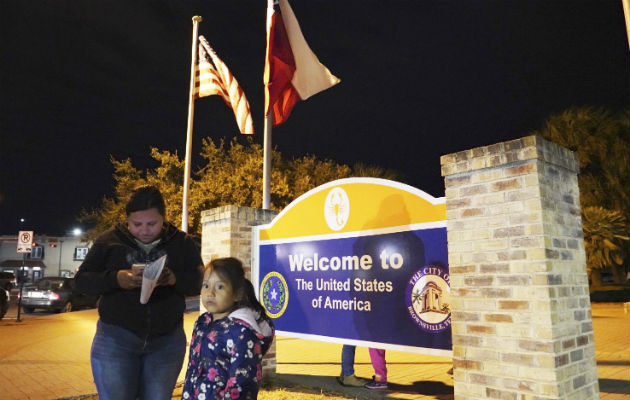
(81, 81)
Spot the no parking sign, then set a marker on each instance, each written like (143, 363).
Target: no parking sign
(25, 242)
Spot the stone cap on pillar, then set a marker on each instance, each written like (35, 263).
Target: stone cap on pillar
(254, 216)
(513, 151)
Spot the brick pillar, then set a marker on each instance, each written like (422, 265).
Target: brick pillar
(227, 232)
(521, 313)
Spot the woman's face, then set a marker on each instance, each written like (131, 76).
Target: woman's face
(145, 225)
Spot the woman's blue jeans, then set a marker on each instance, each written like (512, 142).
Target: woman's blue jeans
(347, 359)
(126, 367)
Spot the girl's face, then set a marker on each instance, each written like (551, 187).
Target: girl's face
(145, 225)
(217, 295)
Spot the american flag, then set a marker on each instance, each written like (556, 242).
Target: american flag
(212, 76)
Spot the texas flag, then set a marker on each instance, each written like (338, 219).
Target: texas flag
(292, 71)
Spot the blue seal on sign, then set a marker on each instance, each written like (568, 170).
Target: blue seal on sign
(428, 298)
(274, 294)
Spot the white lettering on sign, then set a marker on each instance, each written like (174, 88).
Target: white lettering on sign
(297, 262)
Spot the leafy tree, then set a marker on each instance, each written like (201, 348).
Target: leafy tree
(229, 174)
(604, 234)
(601, 140)
(169, 177)
(233, 175)
(361, 169)
(602, 143)
(308, 172)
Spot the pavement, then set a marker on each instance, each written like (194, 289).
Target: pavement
(46, 356)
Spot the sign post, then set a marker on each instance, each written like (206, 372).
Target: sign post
(24, 246)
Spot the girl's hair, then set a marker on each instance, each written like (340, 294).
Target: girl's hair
(231, 269)
(145, 197)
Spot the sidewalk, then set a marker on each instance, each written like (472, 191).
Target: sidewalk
(46, 357)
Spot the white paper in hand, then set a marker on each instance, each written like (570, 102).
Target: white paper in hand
(150, 277)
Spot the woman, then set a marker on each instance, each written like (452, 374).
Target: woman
(138, 349)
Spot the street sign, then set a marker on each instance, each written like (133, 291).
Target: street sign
(25, 242)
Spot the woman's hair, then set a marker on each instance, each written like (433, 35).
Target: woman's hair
(145, 197)
(231, 269)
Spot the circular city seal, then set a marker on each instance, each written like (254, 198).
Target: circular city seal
(428, 298)
(274, 294)
(337, 208)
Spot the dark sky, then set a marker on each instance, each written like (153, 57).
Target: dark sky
(81, 81)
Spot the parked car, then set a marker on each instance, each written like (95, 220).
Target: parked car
(4, 302)
(7, 280)
(57, 294)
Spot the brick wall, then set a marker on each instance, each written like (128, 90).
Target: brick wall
(227, 232)
(521, 317)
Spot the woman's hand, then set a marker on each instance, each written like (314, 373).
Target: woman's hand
(167, 278)
(128, 280)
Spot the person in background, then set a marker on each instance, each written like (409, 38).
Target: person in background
(4, 302)
(347, 377)
(138, 349)
(379, 380)
(230, 339)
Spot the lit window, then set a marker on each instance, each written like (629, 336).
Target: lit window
(80, 253)
(37, 253)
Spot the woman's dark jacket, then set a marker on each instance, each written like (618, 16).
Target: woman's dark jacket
(116, 249)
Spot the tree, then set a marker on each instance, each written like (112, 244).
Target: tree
(602, 143)
(229, 174)
(169, 177)
(604, 234)
(308, 172)
(361, 169)
(601, 140)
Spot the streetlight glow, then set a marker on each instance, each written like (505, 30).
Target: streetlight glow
(77, 231)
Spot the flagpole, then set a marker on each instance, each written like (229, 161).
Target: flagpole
(191, 111)
(267, 162)
(626, 13)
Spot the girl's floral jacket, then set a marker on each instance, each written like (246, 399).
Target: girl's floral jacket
(225, 358)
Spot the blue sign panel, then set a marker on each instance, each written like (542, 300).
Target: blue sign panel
(390, 288)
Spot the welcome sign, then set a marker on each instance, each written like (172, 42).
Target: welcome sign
(358, 261)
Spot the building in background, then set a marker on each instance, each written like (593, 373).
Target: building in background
(50, 256)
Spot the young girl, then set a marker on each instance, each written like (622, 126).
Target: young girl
(229, 340)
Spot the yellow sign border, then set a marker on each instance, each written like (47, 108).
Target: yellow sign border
(398, 205)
